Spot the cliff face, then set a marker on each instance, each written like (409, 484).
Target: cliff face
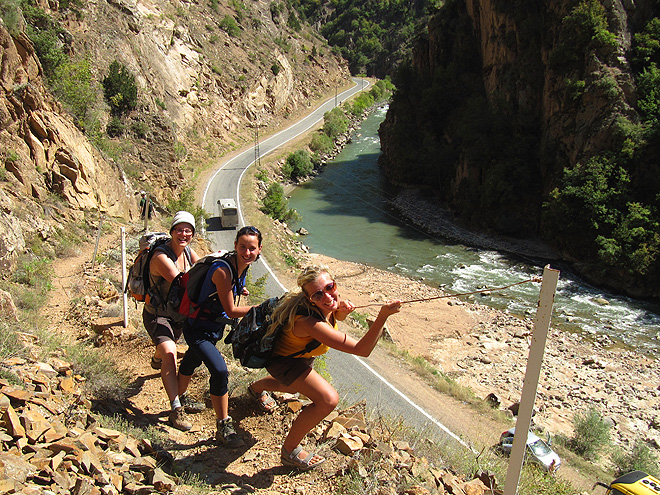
(501, 97)
(44, 153)
(201, 91)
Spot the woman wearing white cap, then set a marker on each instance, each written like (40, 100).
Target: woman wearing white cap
(168, 261)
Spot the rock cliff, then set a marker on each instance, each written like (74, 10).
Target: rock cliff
(502, 97)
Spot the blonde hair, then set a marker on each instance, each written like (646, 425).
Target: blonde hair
(293, 302)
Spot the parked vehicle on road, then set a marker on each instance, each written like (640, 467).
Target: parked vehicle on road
(537, 451)
(228, 213)
(633, 483)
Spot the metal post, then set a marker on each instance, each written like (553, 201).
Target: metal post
(123, 275)
(530, 384)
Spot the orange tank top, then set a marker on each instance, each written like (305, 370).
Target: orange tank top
(288, 343)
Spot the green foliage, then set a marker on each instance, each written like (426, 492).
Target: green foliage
(214, 5)
(298, 165)
(335, 123)
(591, 434)
(261, 175)
(372, 35)
(283, 44)
(186, 201)
(275, 68)
(648, 89)
(76, 89)
(139, 128)
(161, 104)
(640, 458)
(276, 9)
(256, 288)
(119, 89)
(321, 143)
(293, 22)
(646, 45)
(47, 37)
(583, 31)
(229, 25)
(276, 205)
(10, 12)
(625, 233)
(34, 273)
(115, 127)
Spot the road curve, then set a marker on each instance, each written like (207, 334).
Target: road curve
(355, 378)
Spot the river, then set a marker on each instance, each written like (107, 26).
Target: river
(345, 210)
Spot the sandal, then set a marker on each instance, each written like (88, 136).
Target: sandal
(292, 459)
(265, 401)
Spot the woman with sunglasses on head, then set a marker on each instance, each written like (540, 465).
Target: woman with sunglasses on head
(222, 287)
(170, 260)
(309, 317)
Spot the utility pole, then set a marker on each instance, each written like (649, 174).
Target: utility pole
(257, 154)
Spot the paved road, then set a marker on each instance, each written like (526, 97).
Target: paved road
(355, 378)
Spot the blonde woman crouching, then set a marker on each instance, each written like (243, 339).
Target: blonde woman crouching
(310, 315)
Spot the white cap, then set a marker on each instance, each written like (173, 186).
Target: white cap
(183, 217)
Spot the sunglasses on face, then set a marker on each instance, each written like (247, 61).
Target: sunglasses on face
(328, 289)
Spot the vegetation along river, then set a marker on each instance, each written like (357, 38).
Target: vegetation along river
(345, 209)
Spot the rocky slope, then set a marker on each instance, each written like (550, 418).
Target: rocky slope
(201, 92)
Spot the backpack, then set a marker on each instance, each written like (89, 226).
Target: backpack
(248, 339)
(183, 298)
(138, 280)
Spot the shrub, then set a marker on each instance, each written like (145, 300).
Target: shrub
(335, 123)
(75, 88)
(119, 89)
(321, 143)
(186, 201)
(140, 129)
(275, 68)
(115, 127)
(276, 205)
(298, 165)
(10, 13)
(640, 458)
(230, 26)
(591, 433)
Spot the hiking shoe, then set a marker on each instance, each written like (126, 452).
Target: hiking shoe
(156, 363)
(178, 419)
(227, 435)
(191, 405)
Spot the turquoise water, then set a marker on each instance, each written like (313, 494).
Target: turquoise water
(346, 213)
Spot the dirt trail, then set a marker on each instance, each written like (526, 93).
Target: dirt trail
(258, 463)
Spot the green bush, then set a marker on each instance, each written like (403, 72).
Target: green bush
(321, 143)
(591, 434)
(35, 273)
(298, 165)
(10, 12)
(276, 205)
(75, 87)
(115, 127)
(640, 458)
(119, 89)
(335, 123)
(230, 26)
(140, 129)
(275, 68)
(186, 201)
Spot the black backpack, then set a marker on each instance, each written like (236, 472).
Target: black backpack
(248, 339)
(183, 298)
(138, 282)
